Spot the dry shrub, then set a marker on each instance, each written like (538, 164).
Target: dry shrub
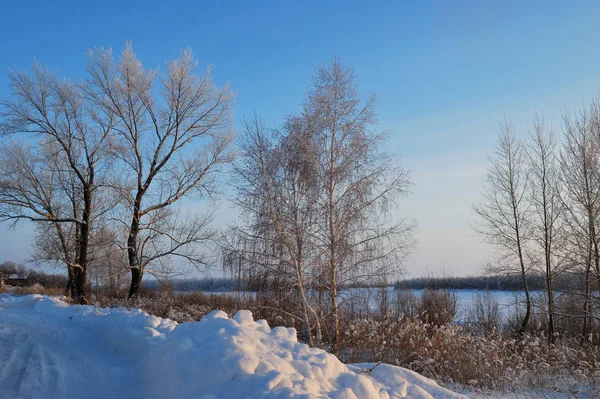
(484, 316)
(454, 354)
(184, 307)
(406, 303)
(32, 289)
(192, 306)
(437, 307)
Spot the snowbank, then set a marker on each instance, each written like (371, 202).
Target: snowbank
(221, 357)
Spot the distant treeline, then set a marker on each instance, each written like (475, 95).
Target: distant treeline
(206, 284)
(11, 269)
(504, 283)
(565, 282)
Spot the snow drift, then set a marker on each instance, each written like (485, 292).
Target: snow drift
(218, 357)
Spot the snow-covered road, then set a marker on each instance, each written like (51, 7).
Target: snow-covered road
(40, 357)
(49, 349)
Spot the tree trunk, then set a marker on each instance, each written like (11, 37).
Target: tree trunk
(136, 282)
(335, 322)
(518, 237)
(68, 292)
(333, 265)
(81, 284)
(134, 265)
(308, 310)
(318, 335)
(587, 303)
(550, 313)
(525, 285)
(549, 289)
(307, 330)
(83, 244)
(525, 321)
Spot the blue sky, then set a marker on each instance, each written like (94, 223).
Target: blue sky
(444, 72)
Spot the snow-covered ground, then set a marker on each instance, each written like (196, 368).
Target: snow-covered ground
(51, 350)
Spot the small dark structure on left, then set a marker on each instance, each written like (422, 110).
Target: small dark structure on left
(13, 280)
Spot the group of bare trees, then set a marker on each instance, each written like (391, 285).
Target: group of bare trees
(317, 198)
(541, 208)
(98, 163)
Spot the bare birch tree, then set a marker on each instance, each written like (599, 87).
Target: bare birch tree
(504, 213)
(547, 232)
(276, 190)
(358, 184)
(173, 131)
(319, 200)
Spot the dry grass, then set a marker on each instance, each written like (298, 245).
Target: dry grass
(457, 355)
(189, 307)
(33, 289)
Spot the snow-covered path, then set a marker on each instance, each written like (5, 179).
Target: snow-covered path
(40, 358)
(49, 349)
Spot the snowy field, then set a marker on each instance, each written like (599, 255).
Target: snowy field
(51, 350)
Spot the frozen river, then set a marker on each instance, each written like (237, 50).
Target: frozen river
(466, 299)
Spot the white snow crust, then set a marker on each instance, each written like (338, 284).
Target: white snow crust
(49, 349)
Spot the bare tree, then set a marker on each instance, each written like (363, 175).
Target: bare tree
(173, 132)
(547, 210)
(108, 261)
(56, 242)
(318, 197)
(504, 213)
(276, 190)
(166, 235)
(73, 136)
(358, 183)
(580, 175)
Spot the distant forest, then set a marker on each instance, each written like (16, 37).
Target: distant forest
(565, 282)
(503, 283)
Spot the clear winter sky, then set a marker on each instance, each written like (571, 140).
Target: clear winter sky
(445, 73)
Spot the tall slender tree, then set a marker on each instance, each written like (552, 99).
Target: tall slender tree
(580, 175)
(504, 213)
(358, 183)
(547, 231)
(276, 191)
(318, 198)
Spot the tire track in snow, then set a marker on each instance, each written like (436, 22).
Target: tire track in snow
(42, 357)
(11, 376)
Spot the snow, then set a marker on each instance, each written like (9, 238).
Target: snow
(52, 350)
